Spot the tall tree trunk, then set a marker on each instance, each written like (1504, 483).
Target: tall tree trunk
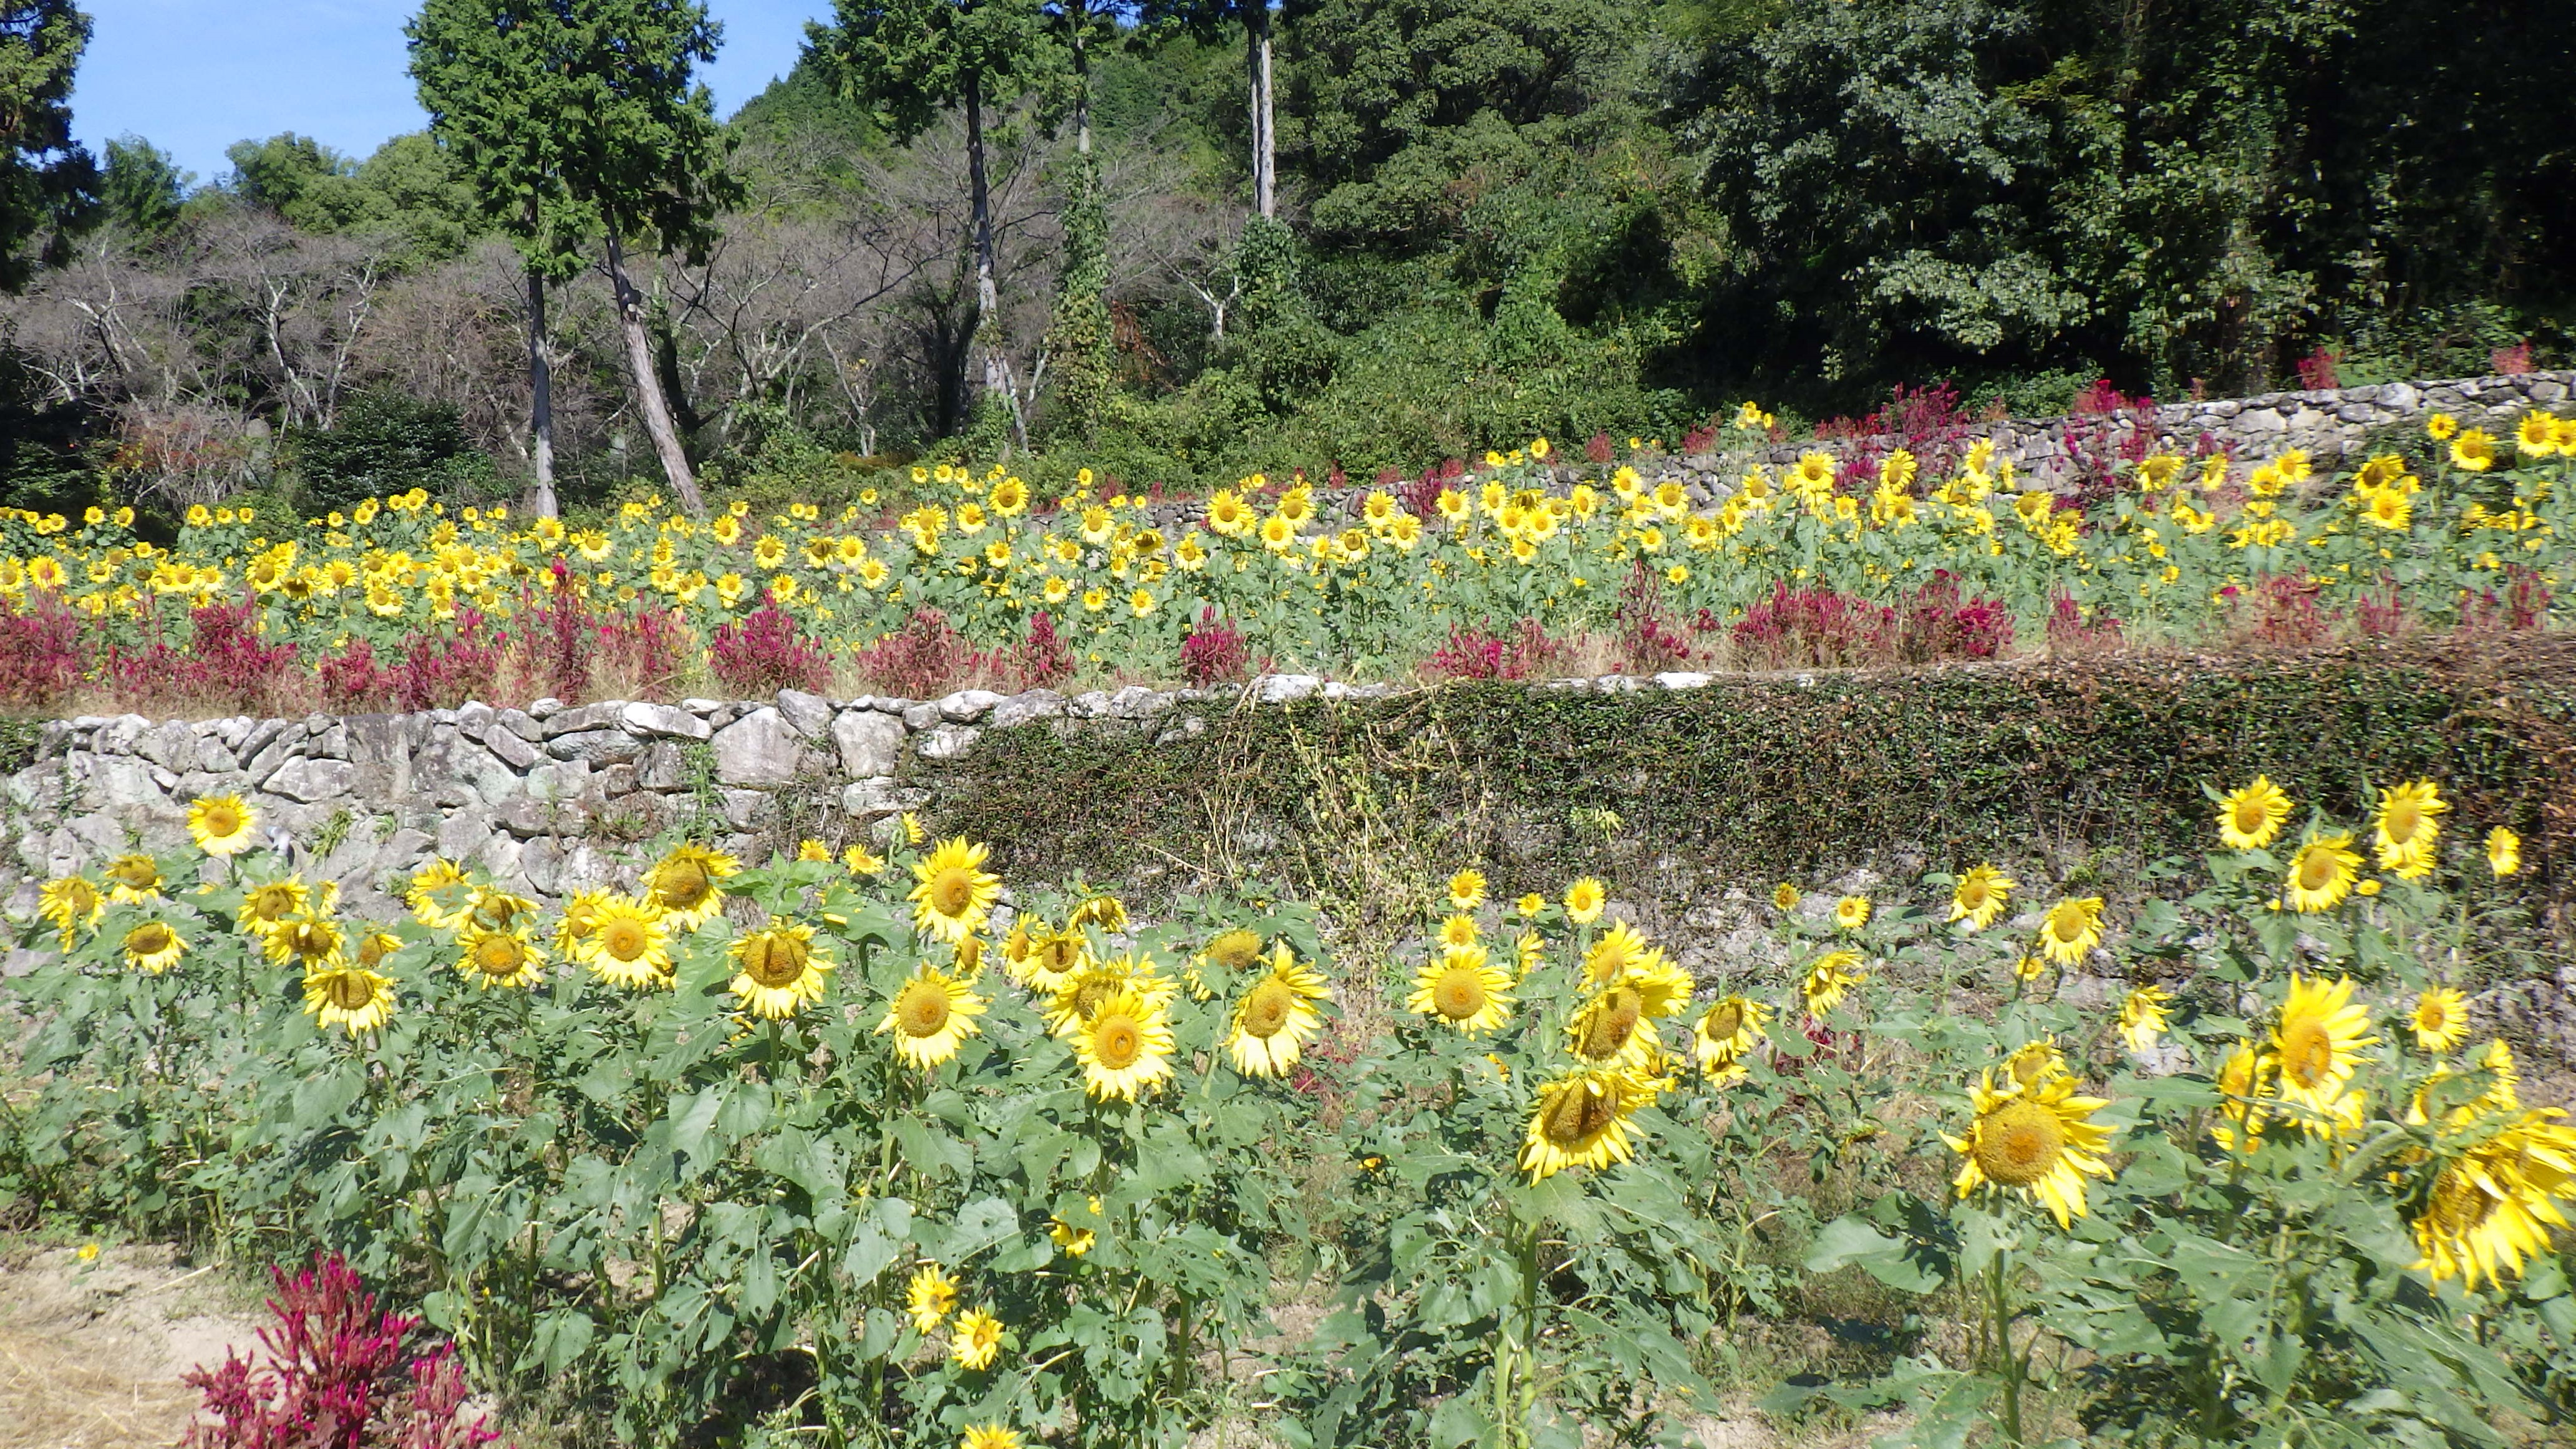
(541, 398)
(648, 384)
(1265, 146)
(1079, 343)
(987, 291)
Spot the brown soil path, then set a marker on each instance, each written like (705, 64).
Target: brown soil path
(91, 1351)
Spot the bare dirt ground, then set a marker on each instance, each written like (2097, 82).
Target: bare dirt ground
(91, 1352)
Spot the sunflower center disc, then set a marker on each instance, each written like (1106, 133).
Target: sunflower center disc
(371, 951)
(2020, 1144)
(1234, 950)
(497, 957)
(773, 961)
(2249, 818)
(1118, 1043)
(1265, 1011)
(2317, 871)
(1458, 995)
(2403, 822)
(351, 991)
(1576, 1116)
(952, 893)
(1613, 1022)
(623, 940)
(1726, 1021)
(683, 884)
(150, 940)
(923, 1010)
(2307, 1053)
(134, 874)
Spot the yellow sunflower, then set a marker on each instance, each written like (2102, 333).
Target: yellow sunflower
(1046, 959)
(976, 1340)
(2246, 1080)
(929, 1297)
(1125, 1047)
(780, 969)
(580, 918)
(1074, 1241)
(70, 903)
(1851, 912)
(269, 903)
(1463, 988)
(500, 958)
(133, 879)
(1619, 948)
(1232, 951)
(1276, 1017)
(1784, 896)
(2440, 1019)
(2035, 1062)
(931, 1016)
(955, 893)
(1107, 912)
(990, 1436)
(627, 944)
(2408, 822)
(687, 886)
(861, 861)
(2317, 1043)
(441, 896)
(1466, 890)
(498, 910)
(2039, 1141)
(2504, 852)
(221, 824)
(1080, 995)
(2071, 930)
(1833, 973)
(1726, 1034)
(2250, 818)
(2028, 969)
(2142, 1017)
(2496, 1204)
(1981, 896)
(1584, 900)
(309, 939)
(2322, 873)
(1581, 1120)
(1458, 931)
(350, 997)
(153, 946)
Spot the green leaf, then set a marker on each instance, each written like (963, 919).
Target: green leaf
(1848, 1240)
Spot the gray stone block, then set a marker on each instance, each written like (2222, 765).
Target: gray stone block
(758, 749)
(948, 741)
(512, 749)
(661, 721)
(968, 705)
(599, 747)
(869, 743)
(810, 715)
(312, 780)
(1020, 709)
(607, 714)
(921, 716)
(660, 767)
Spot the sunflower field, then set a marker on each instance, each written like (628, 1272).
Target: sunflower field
(1501, 570)
(874, 1150)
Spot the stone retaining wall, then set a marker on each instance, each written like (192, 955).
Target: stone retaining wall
(548, 798)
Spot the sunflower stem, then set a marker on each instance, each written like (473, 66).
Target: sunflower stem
(2009, 1366)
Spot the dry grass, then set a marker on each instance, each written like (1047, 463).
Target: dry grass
(91, 1353)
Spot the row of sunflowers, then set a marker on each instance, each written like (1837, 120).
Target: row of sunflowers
(1003, 1167)
(2436, 532)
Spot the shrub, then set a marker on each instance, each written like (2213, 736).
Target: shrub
(41, 658)
(1797, 628)
(226, 668)
(1524, 652)
(925, 658)
(440, 670)
(388, 442)
(1936, 622)
(334, 1377)
(764, 652)
(1044, 659)
(1650, 637)
(1214, 652)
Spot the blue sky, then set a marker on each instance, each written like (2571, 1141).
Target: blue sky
(194, 76)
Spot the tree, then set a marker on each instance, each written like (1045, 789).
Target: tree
(578, 120)
(909, 60)
(46, 179)
(141, 188)
(1209, 19)
(1078, 339)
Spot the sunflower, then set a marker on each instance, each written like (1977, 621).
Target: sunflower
(929, 1297)
(1107, 912)
(2039, 1141)
(859, 860)
(374, 947)
(500, 958)
(2317, 1042)
(1466, 890)
(1584, 900)
(1726, 1034)
(2504, 852)
(154, 947)
(1614, 1029)
(2408, 823)
(954, 893)
(1785, 897)
(780, 969)
(2071, 929)
(1851, 912)
(309, 939)
(221, 824)
(1047, 958)
(266, 905)
(1073, 1241)
(976, 1340)
(70, 903)
(350, 997)
(440, 896)
(1581, 1120)
(1458, 931)
(1125, 1047)
(2142, 1017)
(2322, 873)
(627, 945)
(133, 879)
(1833, 973)
(990, 1436)
(2496, 1204)
(1276, 1017)
(580, 919)
(687, 886)
(1463, 988)
(2249, 819)
(2440, 1019)
(1980, 896)
(1619, 948)
(2245, 1079)
(2028, 969)
(1232, 951)
(931, 1016)
(2035, 1062)
(1080, 995)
